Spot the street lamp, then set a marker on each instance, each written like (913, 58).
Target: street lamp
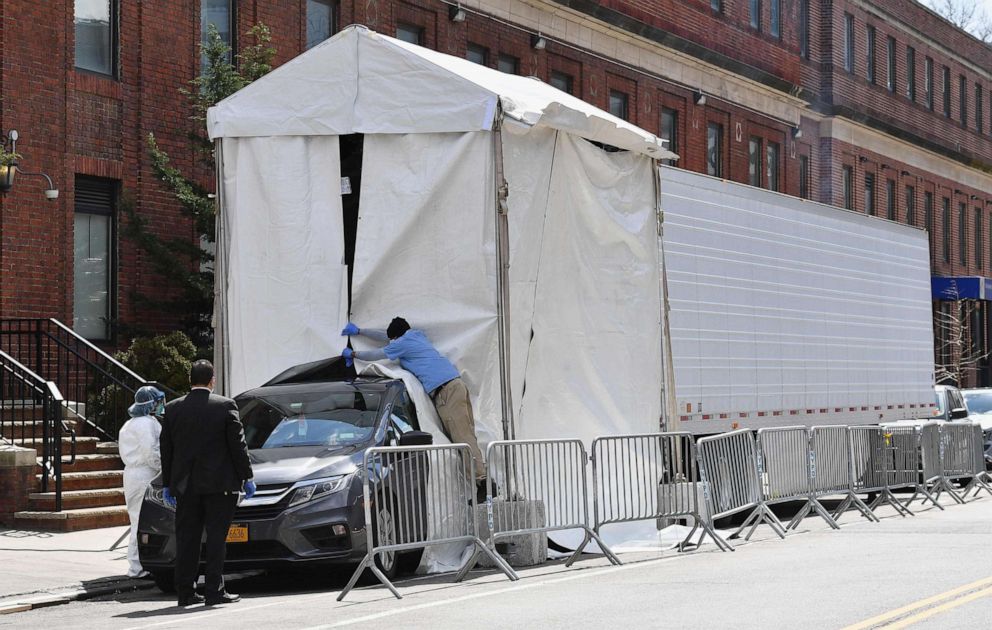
(9, 168)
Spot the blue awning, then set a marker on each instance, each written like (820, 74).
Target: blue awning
(961, 288)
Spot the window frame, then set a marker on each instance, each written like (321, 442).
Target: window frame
(754, 160)
(115, 44)
(891, 78)
(804, 175)
(849, 43)
(870, 54)
(502, 58)
(775, 19)
(963, 99)
(891, 205)
(945, 221)
(871, 205)
(773, 172)
(847, 186)
(569, 81)
(910, 192)
(928, 217)
(963, 233)
(928, 82)
(804, 29)
(113, 190)
(979, 108)
(911, 73)
(946, 93)
(979, 235)
(613, 92)
(471, 47)
(232, 16)
(673, 140)
(410, 27)
(715, 168)
(334, 6)
(754, 9)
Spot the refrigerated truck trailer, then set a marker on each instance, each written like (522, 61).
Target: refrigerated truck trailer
(788, 312)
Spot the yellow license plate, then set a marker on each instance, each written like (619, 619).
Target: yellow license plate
(237, 534)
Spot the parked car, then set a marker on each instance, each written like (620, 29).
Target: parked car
(979, 402)
(307, 432)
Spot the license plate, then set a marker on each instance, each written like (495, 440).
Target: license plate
(237, 534)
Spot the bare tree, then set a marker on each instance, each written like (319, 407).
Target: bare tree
(965, 14)
(957, 354)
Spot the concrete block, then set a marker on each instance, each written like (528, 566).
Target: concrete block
(14, 456)
(523, 550)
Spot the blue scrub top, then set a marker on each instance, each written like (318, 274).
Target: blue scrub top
(416, 354)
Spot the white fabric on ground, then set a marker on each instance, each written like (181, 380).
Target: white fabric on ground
(286, 282)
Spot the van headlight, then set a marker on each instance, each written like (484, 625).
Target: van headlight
(319, 488)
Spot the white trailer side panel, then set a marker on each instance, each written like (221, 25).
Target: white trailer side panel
(786, 312)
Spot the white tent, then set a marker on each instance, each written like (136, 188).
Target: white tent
(487, 216)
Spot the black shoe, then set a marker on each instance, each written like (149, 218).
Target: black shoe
(223, 598)
(190, 600)
(481, 495)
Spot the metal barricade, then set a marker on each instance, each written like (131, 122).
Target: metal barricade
(928, 444)
(873, 462)
(830, 470)
(552, 472)
(957, 460)
(981, 479)
(648, 476)
(728, 468)
(416, 497)
(785, 462)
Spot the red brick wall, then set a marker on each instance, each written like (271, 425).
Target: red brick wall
(16, 483)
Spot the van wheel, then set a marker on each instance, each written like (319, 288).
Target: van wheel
(384, 533)
(165, 581)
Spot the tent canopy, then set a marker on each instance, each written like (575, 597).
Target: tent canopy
(362, 82)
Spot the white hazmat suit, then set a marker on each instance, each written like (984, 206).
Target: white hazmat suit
(138, 445)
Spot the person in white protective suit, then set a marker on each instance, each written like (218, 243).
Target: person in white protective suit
(138, 445)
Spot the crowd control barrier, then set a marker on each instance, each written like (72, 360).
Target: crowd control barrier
(872, 458)
(551, 472)
(646, 477)
(416, 497)
(728, 468)
(830, 470)
(928, 444)
(957, 458)
(981, 479)
(785, 461)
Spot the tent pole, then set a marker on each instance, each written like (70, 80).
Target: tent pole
(503, 278)
(670, 418)
(221, 255)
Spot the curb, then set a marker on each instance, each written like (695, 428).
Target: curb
(24, 603)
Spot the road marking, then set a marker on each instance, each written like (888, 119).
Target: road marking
(923, 606)
(926, 614)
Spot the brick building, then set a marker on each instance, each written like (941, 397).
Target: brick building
(879, 106)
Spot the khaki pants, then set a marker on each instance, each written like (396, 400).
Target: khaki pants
(455, 410)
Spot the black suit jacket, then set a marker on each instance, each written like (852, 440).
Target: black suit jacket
(203, 445)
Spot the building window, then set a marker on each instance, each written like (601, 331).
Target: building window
(220, 15)
(717, 5)
(754, 161)
(618, 104)
(804, 28)
(945, 222)
(849, 188)
(910, 205)
(670, 131)
(979, 109)
(890, 199)
(714, 149)
(321, 21)
(963, 98)
(508, 64)
(928, 82)
(890, 64)
(870, 70)
(96, 36)
(979, 232)
(962, 233)
(910, 74)
(849, 42)
(947, 91)
(562, 81)
(410, 33)
(772, 166)
(92, 272)
(775, 19)
(804, 176)
(755, 14)
(928, 217)
(477, 54)
(869, 194)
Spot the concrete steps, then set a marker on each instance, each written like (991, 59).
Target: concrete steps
(94, 462)
(72, 520)
(84, 445)
(77, 499)
(91, 480)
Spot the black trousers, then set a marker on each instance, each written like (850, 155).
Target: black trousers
(194, 514)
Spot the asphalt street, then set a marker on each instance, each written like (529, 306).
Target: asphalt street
(933, 570)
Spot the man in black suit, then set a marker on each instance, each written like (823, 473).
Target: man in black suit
(204, 466)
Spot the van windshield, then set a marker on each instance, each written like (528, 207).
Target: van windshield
(978, 402)
(336, 418)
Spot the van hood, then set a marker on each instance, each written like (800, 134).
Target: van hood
(298, 463)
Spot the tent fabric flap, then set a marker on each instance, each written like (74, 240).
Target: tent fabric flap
(426, 251)
(284, 279)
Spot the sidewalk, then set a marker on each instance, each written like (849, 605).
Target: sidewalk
(47, 568)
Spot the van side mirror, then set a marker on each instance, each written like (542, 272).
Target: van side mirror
(959, 414)
(416, 438)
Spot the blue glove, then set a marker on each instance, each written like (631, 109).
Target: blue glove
(350, 329)
(249, 489)
(168, 498)
(349, 356)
